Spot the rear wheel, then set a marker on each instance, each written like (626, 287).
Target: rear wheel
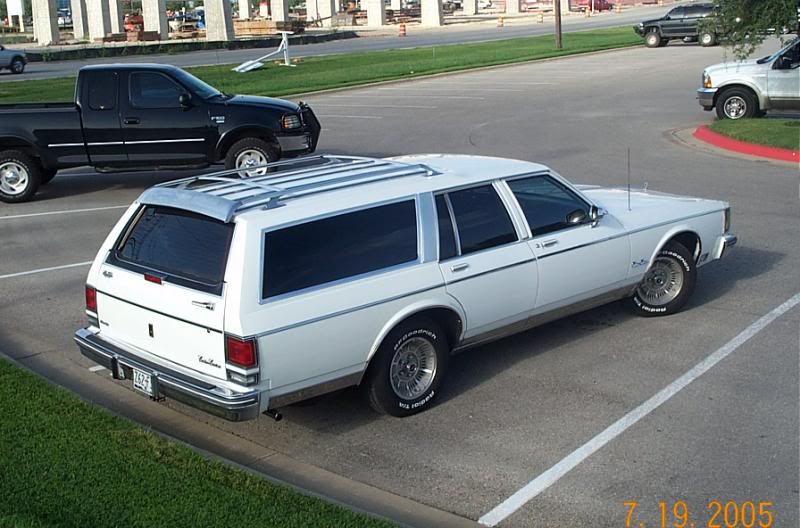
(20, 176)
(17, 66)
(668, 284)
(408, 368)
(736, 103)
(251, 152)
(652, 39)
(707, 39)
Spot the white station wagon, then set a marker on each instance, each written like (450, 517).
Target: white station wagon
(240, 295)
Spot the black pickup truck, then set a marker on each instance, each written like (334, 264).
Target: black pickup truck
(145, 116)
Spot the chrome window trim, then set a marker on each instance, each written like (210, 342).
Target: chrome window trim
(262, 245)
(453, 224)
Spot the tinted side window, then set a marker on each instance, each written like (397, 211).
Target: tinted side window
(546, 203)
(338, 247)
(678, 12)
(154, 90)
(101, 90)
(447, 238)
(481, 219)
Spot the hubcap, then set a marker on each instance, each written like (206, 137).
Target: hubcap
(413, 368)
(706, 39)
(247, 159)
(735, 107)
(662, 283)
(17, 66)
(13, 178)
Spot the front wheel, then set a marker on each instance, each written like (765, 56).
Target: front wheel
(251, 153)
(707, 39)
(17, 66)
(408, 368)
(20, 176)
(652, 39)
(736, 103)
(668, 284)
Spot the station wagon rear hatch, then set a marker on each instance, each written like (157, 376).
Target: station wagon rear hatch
(161, 288)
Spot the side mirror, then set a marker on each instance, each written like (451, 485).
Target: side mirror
(578, 216)
(185, 100)
(595, 214)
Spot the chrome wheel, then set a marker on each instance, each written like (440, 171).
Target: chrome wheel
(735, 107)
(249, 158)
(14, 178)
(413, 368)
(706, 39)
(662, 283)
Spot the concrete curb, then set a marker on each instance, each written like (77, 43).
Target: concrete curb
(705, 134)
(233, 450)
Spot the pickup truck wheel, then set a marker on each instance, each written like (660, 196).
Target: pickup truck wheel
(408, 368)
(668, 283)
(652, 39)
(250, 152)
(707, 39)
(17, 65)
(736, 103)
(47, 176)
(20, 176)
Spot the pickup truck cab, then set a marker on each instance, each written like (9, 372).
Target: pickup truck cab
(139, 116)
(682, 22)
(12, 60)
(751, 88)
(243, 295)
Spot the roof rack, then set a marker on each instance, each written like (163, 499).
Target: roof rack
(222, 194)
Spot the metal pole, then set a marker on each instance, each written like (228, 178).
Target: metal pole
(557, 7)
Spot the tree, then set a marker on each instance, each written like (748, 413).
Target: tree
(744, 24)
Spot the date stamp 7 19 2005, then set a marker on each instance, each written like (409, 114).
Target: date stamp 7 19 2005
(718, 514)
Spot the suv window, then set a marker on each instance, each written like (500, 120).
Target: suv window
(101, 90)
(179, 243)
(338, 247)
(154, 90)
(677, 12)
(546, 203)
(481, 218)
(447, 238)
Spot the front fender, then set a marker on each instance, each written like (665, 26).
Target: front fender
(229, 137)
(759, 93)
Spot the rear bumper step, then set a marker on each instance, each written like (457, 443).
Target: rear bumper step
(236, 407)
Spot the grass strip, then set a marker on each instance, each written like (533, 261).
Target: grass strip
(780, 133)
(352, 69)
(64, 462)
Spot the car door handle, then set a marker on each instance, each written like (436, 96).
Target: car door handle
(550, 242)
(201, 304)
(459, 267)
(131, 121)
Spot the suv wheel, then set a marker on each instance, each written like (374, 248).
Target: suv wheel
(20, 176)
(251, 152)
(707, 39)
(652, 39)
(17, 65)
(408, 368)
(668, 283)
(736, 103)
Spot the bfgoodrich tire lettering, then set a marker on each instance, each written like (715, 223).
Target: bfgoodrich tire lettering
(405, 375)
(668, 284)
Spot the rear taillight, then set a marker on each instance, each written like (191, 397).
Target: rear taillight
(91, 299)
(152, 278)
(241, 353)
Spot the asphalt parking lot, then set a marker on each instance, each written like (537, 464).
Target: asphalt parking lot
(513, 409)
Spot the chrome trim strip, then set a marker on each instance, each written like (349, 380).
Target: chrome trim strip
(501, 268)
(105, 143)
(52, 145)
(151, 141)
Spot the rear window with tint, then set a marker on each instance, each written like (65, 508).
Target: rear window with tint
(179, 243)
(339, 247)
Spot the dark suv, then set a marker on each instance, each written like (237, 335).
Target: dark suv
(682, 22)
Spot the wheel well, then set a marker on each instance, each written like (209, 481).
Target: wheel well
(690, 241)
(254, 132)
(13, 143)
(741, 87)
(17, 57)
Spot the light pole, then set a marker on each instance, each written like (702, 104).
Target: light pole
(557, 7)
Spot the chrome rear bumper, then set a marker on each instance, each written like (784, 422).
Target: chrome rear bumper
(236, 407)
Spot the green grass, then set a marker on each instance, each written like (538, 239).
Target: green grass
(781, 133)
(335, 71)
(64, 462)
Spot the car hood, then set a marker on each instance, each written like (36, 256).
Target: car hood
(648, 207)
(651, 21)
(263, 102)
(746, 66)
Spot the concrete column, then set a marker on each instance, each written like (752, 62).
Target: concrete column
(45, 21)
(98, 18)
(280, 10)
(219, 23)
(376, 13)
(470, 7)
(80, 23)
(154, 14)
(245, 11)
(396, 5)
(512, 6)
(432, 13)
(116, 16)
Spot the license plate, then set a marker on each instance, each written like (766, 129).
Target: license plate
(143, 382)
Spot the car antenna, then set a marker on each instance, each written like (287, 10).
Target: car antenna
(629, 178)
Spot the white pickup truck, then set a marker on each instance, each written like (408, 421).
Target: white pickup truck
(750, 88)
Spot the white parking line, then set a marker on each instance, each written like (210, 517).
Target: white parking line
(411, 96)
(423, 89)
(552, 475)
(42, 270)
(67, 211)
(373, 106)
(350, 116)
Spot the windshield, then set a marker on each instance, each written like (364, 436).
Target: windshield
(200, 88)
(775, 55)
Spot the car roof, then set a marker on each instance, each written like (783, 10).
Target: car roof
(130, 66)
(323, 184)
